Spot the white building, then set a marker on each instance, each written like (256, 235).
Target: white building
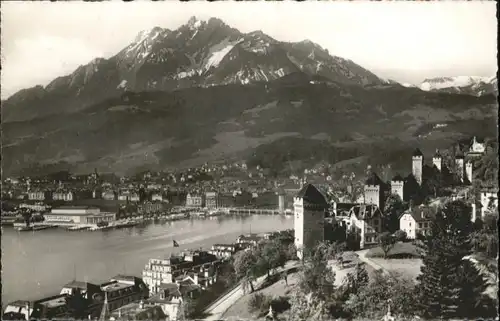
(437, 161)
(66, 196)
(309, 218)
(476, 148)
(366, 221)
(489, 201)
(72, 215)
(416, 221)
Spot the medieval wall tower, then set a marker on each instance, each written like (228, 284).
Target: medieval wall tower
(437, 161)
(468, 171)
(397, 186)
(417, 165)
(309, 207)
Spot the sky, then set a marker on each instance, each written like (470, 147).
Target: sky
(404, 41)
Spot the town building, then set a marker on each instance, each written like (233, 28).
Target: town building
(158, 271)
(366, 221)
(66, 196)
(71, 215)
(157, 197)
(171, 298)
(417, 165)
(47, 308)
(194, 200)
(151, 207)
(224, 251)
(37, 207)
(489, 201)
(124, 289)
(211, 200)
(109, 195)
(248, 240)
(89, 291)
(38, 195)
(139, 311)
(476, 149)
(397, 186)
(309, 218)
(416, 221)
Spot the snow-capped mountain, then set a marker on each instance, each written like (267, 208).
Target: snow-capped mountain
(198, 53)
(471, 85)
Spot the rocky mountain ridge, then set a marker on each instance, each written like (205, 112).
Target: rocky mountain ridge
(198, 53)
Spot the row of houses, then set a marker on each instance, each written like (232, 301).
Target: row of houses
(113, 294)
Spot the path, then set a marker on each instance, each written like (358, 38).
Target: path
(362, 256)
(217, 309)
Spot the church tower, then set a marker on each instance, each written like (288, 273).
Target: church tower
(309, 207)
(417, 164)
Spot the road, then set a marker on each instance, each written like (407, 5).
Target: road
(217, 309)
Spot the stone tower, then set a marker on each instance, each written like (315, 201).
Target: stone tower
(459, 166)
(397, 186)
(437, 160)
(468, 171)
(417, 164)
(309, 207)
(373, 190)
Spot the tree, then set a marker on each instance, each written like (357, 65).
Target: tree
(472, 301)
(400, 236)
(444, 250)
(317, 278)
(386, 241)
(246, 267)
(271, 256)
(371, 301)
(393, 208)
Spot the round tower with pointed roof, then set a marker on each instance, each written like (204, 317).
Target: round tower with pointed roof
(417, 165)
(309, 217)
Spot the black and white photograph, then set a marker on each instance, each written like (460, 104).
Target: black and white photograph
(249, 160)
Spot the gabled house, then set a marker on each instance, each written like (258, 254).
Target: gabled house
(416, 221)
(366, 221)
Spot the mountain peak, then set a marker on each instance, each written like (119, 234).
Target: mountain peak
(150, 33)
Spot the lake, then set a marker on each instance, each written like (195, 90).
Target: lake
(38, 264)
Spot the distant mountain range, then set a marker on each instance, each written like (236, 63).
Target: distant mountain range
(207, 92)
(466, 85)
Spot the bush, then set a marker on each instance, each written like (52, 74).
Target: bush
(258, 303)
(400, 236)
(280, 304)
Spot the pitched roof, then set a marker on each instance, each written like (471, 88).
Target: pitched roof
(421, 213)
(417, 152)
(79, 285)
(312, 195)
(365, 211)
(373, 179)
(398, 178)
(437, 154)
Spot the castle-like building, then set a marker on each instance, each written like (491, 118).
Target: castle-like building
(309, 207)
